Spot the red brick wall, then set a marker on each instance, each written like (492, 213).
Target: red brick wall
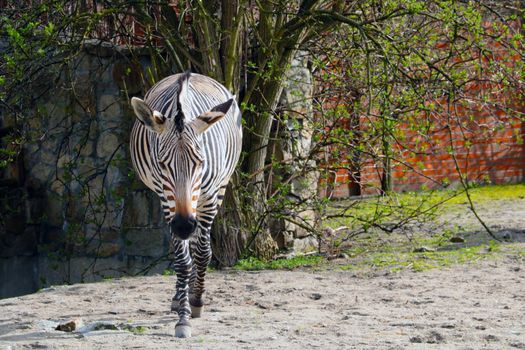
(483, 139)
(485, 145)
(482, 155)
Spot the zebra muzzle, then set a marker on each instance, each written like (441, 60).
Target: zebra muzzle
(182, 226)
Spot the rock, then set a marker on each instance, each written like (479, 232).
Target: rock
(423, 249)
(308, 217)
(343, 256)
(434, 338)
(315, 296)
(507, 235)
(457, 239)
(46, 325)
(416, 339)
(305, 245)
(491, 337)
(448, 326)
(70, 326)
(262, 305)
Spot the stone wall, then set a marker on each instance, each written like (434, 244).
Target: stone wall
(71, 209)
(295, 130)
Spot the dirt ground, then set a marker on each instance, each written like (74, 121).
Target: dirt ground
(479, 305)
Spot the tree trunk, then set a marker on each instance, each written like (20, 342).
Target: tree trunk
(228, 234)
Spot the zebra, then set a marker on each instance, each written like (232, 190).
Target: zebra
(185, 144)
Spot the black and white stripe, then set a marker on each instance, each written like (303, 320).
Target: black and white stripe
(185, 166)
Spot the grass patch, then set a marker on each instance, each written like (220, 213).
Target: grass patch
(134, 329)
(252, 264)
(168, 272)
(395, 252)
(397, 206)
(421, 261)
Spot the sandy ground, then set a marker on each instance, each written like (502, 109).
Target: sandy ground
(473, 306)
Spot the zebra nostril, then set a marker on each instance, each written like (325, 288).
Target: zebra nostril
(183, 226)
(193, 222)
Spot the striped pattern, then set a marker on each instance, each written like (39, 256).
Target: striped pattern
(188, 170)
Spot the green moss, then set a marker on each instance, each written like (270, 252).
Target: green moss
(252, 263)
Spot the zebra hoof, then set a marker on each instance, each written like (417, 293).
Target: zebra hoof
(196, 306)
(196, 311)
(183, 330)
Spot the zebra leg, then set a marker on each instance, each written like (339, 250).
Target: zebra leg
(182, 262)
(201, 252)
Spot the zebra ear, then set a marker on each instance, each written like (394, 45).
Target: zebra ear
(153, 120)
(207, 119)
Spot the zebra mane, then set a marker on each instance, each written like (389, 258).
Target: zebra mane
(183, 90)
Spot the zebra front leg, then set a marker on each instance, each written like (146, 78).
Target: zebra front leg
(201, 251)
(182, 263)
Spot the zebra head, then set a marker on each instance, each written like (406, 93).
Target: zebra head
(179, 157)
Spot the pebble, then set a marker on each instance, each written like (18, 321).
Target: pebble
(315, 296)
(70, 326)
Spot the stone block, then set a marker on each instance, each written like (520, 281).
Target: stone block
(128, 76)
(18, 244)
(86, 148)
(51, 240)
(305, 245)
(113, 176)
(83, 64)
(84, 96)
(284, 239)
(141, 210)
(53, 210)
(147, 242)
(25, 270)
(108, 142)
(108, 105)
(136, 265)
(40, 175)
(103, 249)
(34, 210)
(113, 215)
(52, 143)
(79, 269)
(49, 157)
(306, 186)
(87, 166)
(13, 209)
(110, 235)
